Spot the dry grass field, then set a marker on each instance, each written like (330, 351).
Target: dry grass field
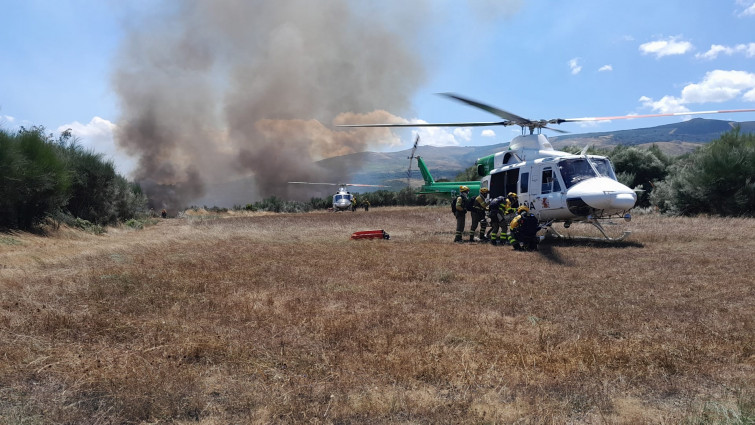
(267, 318)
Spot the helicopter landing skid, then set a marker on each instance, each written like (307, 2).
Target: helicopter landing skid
(551, 232)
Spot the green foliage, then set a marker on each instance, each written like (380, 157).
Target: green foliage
(639, 168)
(718, 178)
(141, 223)
(33, 179)
(41, 177)
(470, 174)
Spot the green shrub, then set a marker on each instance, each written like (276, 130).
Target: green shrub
(34, 180)
(41, 177)
(718, 178)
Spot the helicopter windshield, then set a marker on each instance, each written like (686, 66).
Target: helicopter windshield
(575, 170)
(342, 197)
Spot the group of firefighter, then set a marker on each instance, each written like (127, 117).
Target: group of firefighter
(510, 223)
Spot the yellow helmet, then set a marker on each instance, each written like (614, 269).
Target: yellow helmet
(484, 190)
(463, 189)
(512, 195)
(522, 208)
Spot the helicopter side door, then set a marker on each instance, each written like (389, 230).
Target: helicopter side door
(551, 202)
(524, 188)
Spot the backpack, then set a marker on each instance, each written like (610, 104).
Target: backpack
(453, 205)
(471, 202)
(496, 203)
(530, 225)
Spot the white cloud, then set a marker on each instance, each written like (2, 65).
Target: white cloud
(575, 67)
(667, 47)
(434, 136)
(719, 86)
(666, 105)
(97, 135)
(6, 119)
(463, 133)
(716, 86)
(605, 68)
(488, 133)
(749, 7)
(747, 49)
(441, 136)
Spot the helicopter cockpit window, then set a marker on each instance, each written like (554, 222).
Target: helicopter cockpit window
(550, 182)
(575, 170)
(343, 197)
(604, 167)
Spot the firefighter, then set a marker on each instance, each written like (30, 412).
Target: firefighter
(479, 208)
(366, 205)
(353, 203)
(460, 211)
(496, 212)
(513, 199)
(524, 229)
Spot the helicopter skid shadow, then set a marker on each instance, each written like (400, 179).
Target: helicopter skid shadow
(545, 248)
(567, 241)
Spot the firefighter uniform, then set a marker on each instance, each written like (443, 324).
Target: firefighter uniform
(513, 200)
(524, 229)
(460, 211)
(497, 212)
(478, 215)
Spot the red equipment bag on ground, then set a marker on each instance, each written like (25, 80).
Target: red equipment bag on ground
(370, 234)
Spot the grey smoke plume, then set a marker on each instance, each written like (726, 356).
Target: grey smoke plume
(213, 91)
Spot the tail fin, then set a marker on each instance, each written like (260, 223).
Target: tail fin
(425, 172)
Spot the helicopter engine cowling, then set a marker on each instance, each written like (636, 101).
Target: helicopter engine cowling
(600, 194)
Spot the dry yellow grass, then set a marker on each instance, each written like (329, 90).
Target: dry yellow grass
(265, 318)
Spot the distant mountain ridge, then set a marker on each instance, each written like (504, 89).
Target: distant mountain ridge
(697, 130)
(449, 161)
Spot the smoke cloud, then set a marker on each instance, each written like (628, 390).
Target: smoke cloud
(216, 91)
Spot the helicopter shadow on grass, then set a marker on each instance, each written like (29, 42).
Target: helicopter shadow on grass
(545, 248)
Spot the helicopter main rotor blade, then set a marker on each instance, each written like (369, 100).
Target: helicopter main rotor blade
(341, 184)
(493, 110)
(671, 114)
(329, 184)
(447, 124)
(556, 130)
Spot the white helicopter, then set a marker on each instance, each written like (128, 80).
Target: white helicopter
(557, 186)
(343, 199)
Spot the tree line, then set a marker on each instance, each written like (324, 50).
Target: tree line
(45, 178)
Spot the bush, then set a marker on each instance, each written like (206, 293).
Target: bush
(34, 180)
(41, 177)
(639, 168)
(718, 178)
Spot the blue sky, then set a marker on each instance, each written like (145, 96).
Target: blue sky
(537, 59)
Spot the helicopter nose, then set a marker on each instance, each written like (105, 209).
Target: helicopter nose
(603, 193)
(623, 201)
